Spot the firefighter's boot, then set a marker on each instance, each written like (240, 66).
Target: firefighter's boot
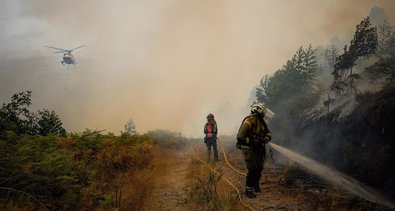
(250, 192)
(257, 189)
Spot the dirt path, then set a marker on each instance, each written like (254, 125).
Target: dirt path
(166, 194)
(274, 196)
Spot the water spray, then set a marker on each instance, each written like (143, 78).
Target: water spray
(334, 177)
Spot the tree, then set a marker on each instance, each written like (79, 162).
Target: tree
(330, 55)
(49, 123)
(365, 39)
(260, 91)
(386, 38)
(309, 64)
(130, 127)
(292, 83)
(297, 60)
(363, 44)
(343, 62)
(16, 117)
(384, 68)
(28, 125)
(18, 106)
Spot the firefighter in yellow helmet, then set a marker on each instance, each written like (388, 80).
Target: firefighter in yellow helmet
(251, 139)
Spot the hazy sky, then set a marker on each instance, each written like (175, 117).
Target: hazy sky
(163, 63)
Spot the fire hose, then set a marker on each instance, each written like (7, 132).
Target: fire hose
(226, 180)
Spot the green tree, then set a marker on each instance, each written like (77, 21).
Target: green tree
(365, 39)
(16, 117)
(262, 89)
(343, 63)
(49, 123)
(290, 84)
(309, 64)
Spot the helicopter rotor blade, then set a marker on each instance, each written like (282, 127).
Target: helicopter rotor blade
(60, 51)
(56, 48)
(77, 47)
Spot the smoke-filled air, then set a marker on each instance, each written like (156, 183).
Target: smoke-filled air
(165, 64)
(197, 105)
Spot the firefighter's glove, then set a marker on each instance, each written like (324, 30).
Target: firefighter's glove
(266, 139)
(238, 144)
(258, 140)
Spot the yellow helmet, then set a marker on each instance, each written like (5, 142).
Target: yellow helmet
(258, 108)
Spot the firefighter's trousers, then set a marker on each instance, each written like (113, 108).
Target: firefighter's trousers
(254, 158)
(212, 142)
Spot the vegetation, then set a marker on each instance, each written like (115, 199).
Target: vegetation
(130, 127)
(15, 118)
(208, 191)
(43, 168)
(294, 81)
(384, 68)
(167, 139)
(364, 44)
(345, 125)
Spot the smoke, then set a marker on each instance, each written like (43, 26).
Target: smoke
(340, 15)
(165, 64)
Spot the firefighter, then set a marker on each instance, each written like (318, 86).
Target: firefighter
(251, 139)
(210, 138)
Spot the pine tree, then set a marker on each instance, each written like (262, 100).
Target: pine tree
(130, 127)
(310, 64)
(49, 123)
(294, 79)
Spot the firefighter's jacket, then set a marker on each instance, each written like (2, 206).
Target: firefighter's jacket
(252, 131)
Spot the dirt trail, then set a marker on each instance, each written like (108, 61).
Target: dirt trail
(274, 196)
(170, 184)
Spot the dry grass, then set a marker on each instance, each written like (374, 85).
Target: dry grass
(207, 191)
(138, 187)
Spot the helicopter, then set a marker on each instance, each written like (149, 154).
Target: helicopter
(68, 57)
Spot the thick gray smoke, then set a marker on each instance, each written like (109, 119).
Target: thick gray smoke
(165, 64)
